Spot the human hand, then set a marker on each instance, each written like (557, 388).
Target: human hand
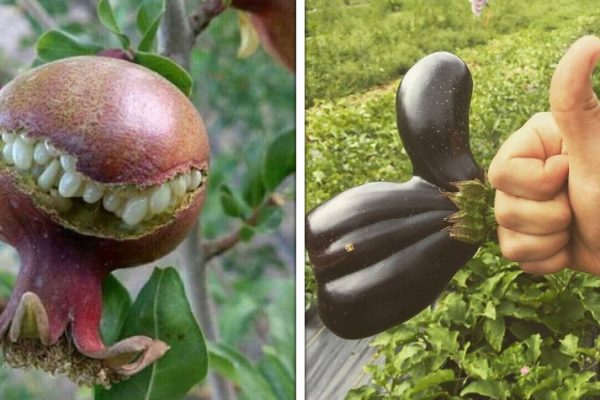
(532, 208)
(544, 223)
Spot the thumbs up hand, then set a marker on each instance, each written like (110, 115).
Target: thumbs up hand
(547, 175)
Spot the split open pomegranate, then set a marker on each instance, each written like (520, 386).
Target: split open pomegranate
(104, 166)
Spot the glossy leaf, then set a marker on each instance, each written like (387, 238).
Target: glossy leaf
(148, 21)
(234, 366)
(55, 45)
(280, 159)
(116, 303)
(166, 67)
(161, 311)
(107, 18)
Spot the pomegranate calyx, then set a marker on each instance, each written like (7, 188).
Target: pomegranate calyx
(28, 344)
(30, 320)
(131, 355)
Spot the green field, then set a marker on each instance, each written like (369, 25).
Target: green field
(353, 45)
(496, 332)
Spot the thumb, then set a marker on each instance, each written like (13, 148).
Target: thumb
(573, 103)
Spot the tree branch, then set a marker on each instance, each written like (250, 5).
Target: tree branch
(35, 10)
(175, 39)
(219, 246)
(197, 290)
(204, 14)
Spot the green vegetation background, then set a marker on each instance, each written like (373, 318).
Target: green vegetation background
(496, 332)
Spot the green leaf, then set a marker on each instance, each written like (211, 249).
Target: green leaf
(273, 368)
(234, 366)
(407, 352)
(590, 302)
(495, 390)
(148, 21)
(461, 277)
(490, 310)
(494, 330)
(476, 366)
(161, 311)
(569, 345)
(116, 303)
(280, 159)
(253, 189)
(455, 307)
(55, 45)
(166, 67)
(434, 379)
(232, 205)
(107, 18)
(443, 339)
(246, 233)
(534, 344)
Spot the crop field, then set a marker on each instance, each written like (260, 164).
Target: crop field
(496, 332)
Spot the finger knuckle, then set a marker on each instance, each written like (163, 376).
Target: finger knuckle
(505, 215)
(563, 216)
(512, 250)
(545, 186)
(497, 175)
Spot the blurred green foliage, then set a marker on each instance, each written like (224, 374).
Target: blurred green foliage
(495, 332)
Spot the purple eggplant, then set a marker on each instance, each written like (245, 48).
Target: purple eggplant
(382, 252)
(432, 111)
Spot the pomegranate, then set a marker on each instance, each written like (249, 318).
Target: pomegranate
(104, 165)
(275, 21)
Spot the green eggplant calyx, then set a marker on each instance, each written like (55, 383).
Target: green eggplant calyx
(474, 222)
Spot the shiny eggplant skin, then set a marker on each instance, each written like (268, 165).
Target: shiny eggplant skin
(432, 109)
(381, 254)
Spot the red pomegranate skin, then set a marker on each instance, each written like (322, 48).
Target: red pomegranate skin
(66, 269)
(275, 22)
(125, 124)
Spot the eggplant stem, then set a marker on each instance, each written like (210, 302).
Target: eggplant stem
(474, 222)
